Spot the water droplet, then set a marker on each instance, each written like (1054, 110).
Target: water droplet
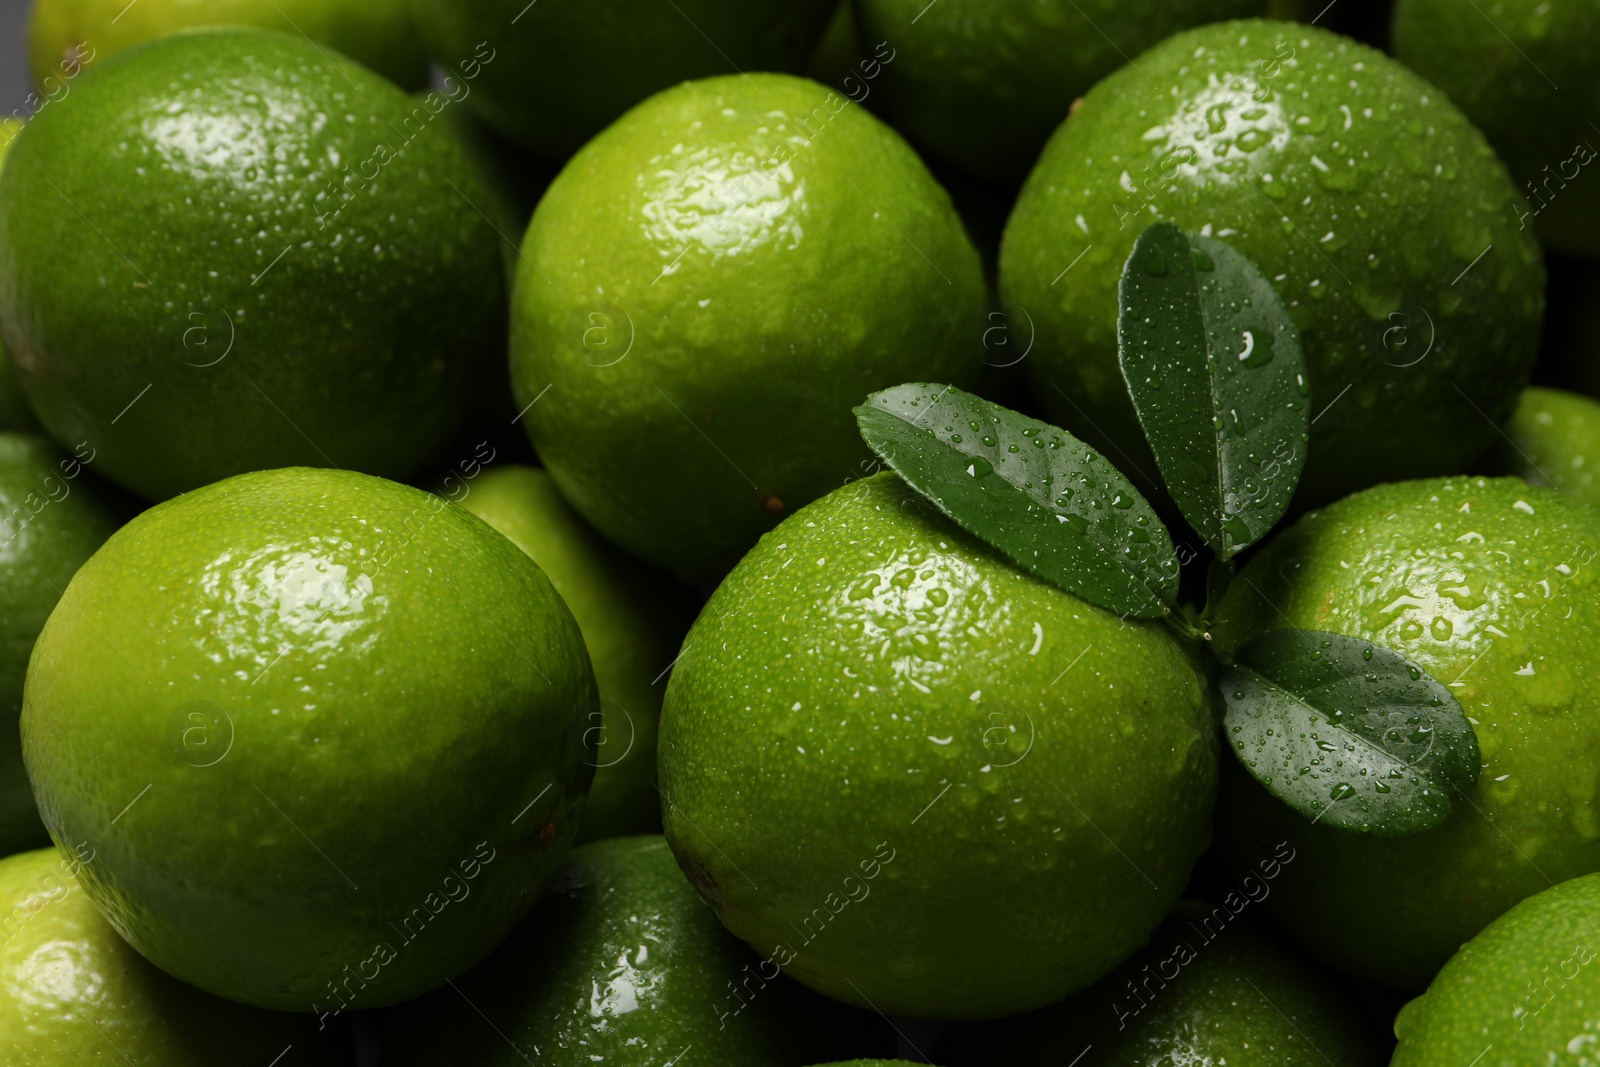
(988, 441)
(1301, 385)
(1155, 263)
(955, 438)
(1342, 790)
(1366, 653)
(979, 467)
(1076, 523)
(1462, 596)
(1257, 350)
(1122, 501)
(1442, 628)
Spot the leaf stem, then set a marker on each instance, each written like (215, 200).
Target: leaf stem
(1179, 623)
(1219, 576)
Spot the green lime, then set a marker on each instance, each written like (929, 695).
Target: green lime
(1490, 586)
(984, 83)
(14, 412)
(921, 780)
(1553, 439)
(563, 70)
(1383, 218)
(1523, 72)
(277, 259)
(707, 290)
(632, 621)
(1521, 992)
(52, 517)
(325, 734)
(65, 33)
(1209, 988)
(622, 963)
(72, 992)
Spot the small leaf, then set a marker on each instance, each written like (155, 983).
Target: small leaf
(1049, 502)
(1347, 732)
(1214, 366)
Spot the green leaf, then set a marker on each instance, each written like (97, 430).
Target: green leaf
(1214, 366)
(1347, 732)
(1049, 502)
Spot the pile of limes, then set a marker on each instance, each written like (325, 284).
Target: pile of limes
(450, 614)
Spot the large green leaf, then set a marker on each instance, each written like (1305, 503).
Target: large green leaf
(1214, 366)
(1049, 502)
(1347, 732)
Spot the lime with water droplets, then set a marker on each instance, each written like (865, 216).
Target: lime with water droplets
(326, 735)
(881, 731)
(1521, 992)
(1381, 217)
(1553, 440)
(1490, 586)
(708, 289)
(276, 259)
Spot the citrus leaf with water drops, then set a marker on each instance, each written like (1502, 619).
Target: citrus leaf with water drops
(1214, 366)
(1049, 502)
(1348, 733)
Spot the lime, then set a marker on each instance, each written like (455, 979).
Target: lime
(1522, 992)
(1210, 988)
(14, 412)
(73, 992)
(880, 732)
(263, 237)
(632, 621)
(325, 734)
(1522, 71)
(379, 33)
(983, 83)
(561, 70)
(1383, 218)
(622, 963)
(707, 290)
(1490, 586)
(1553, 440)
(52, 518)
